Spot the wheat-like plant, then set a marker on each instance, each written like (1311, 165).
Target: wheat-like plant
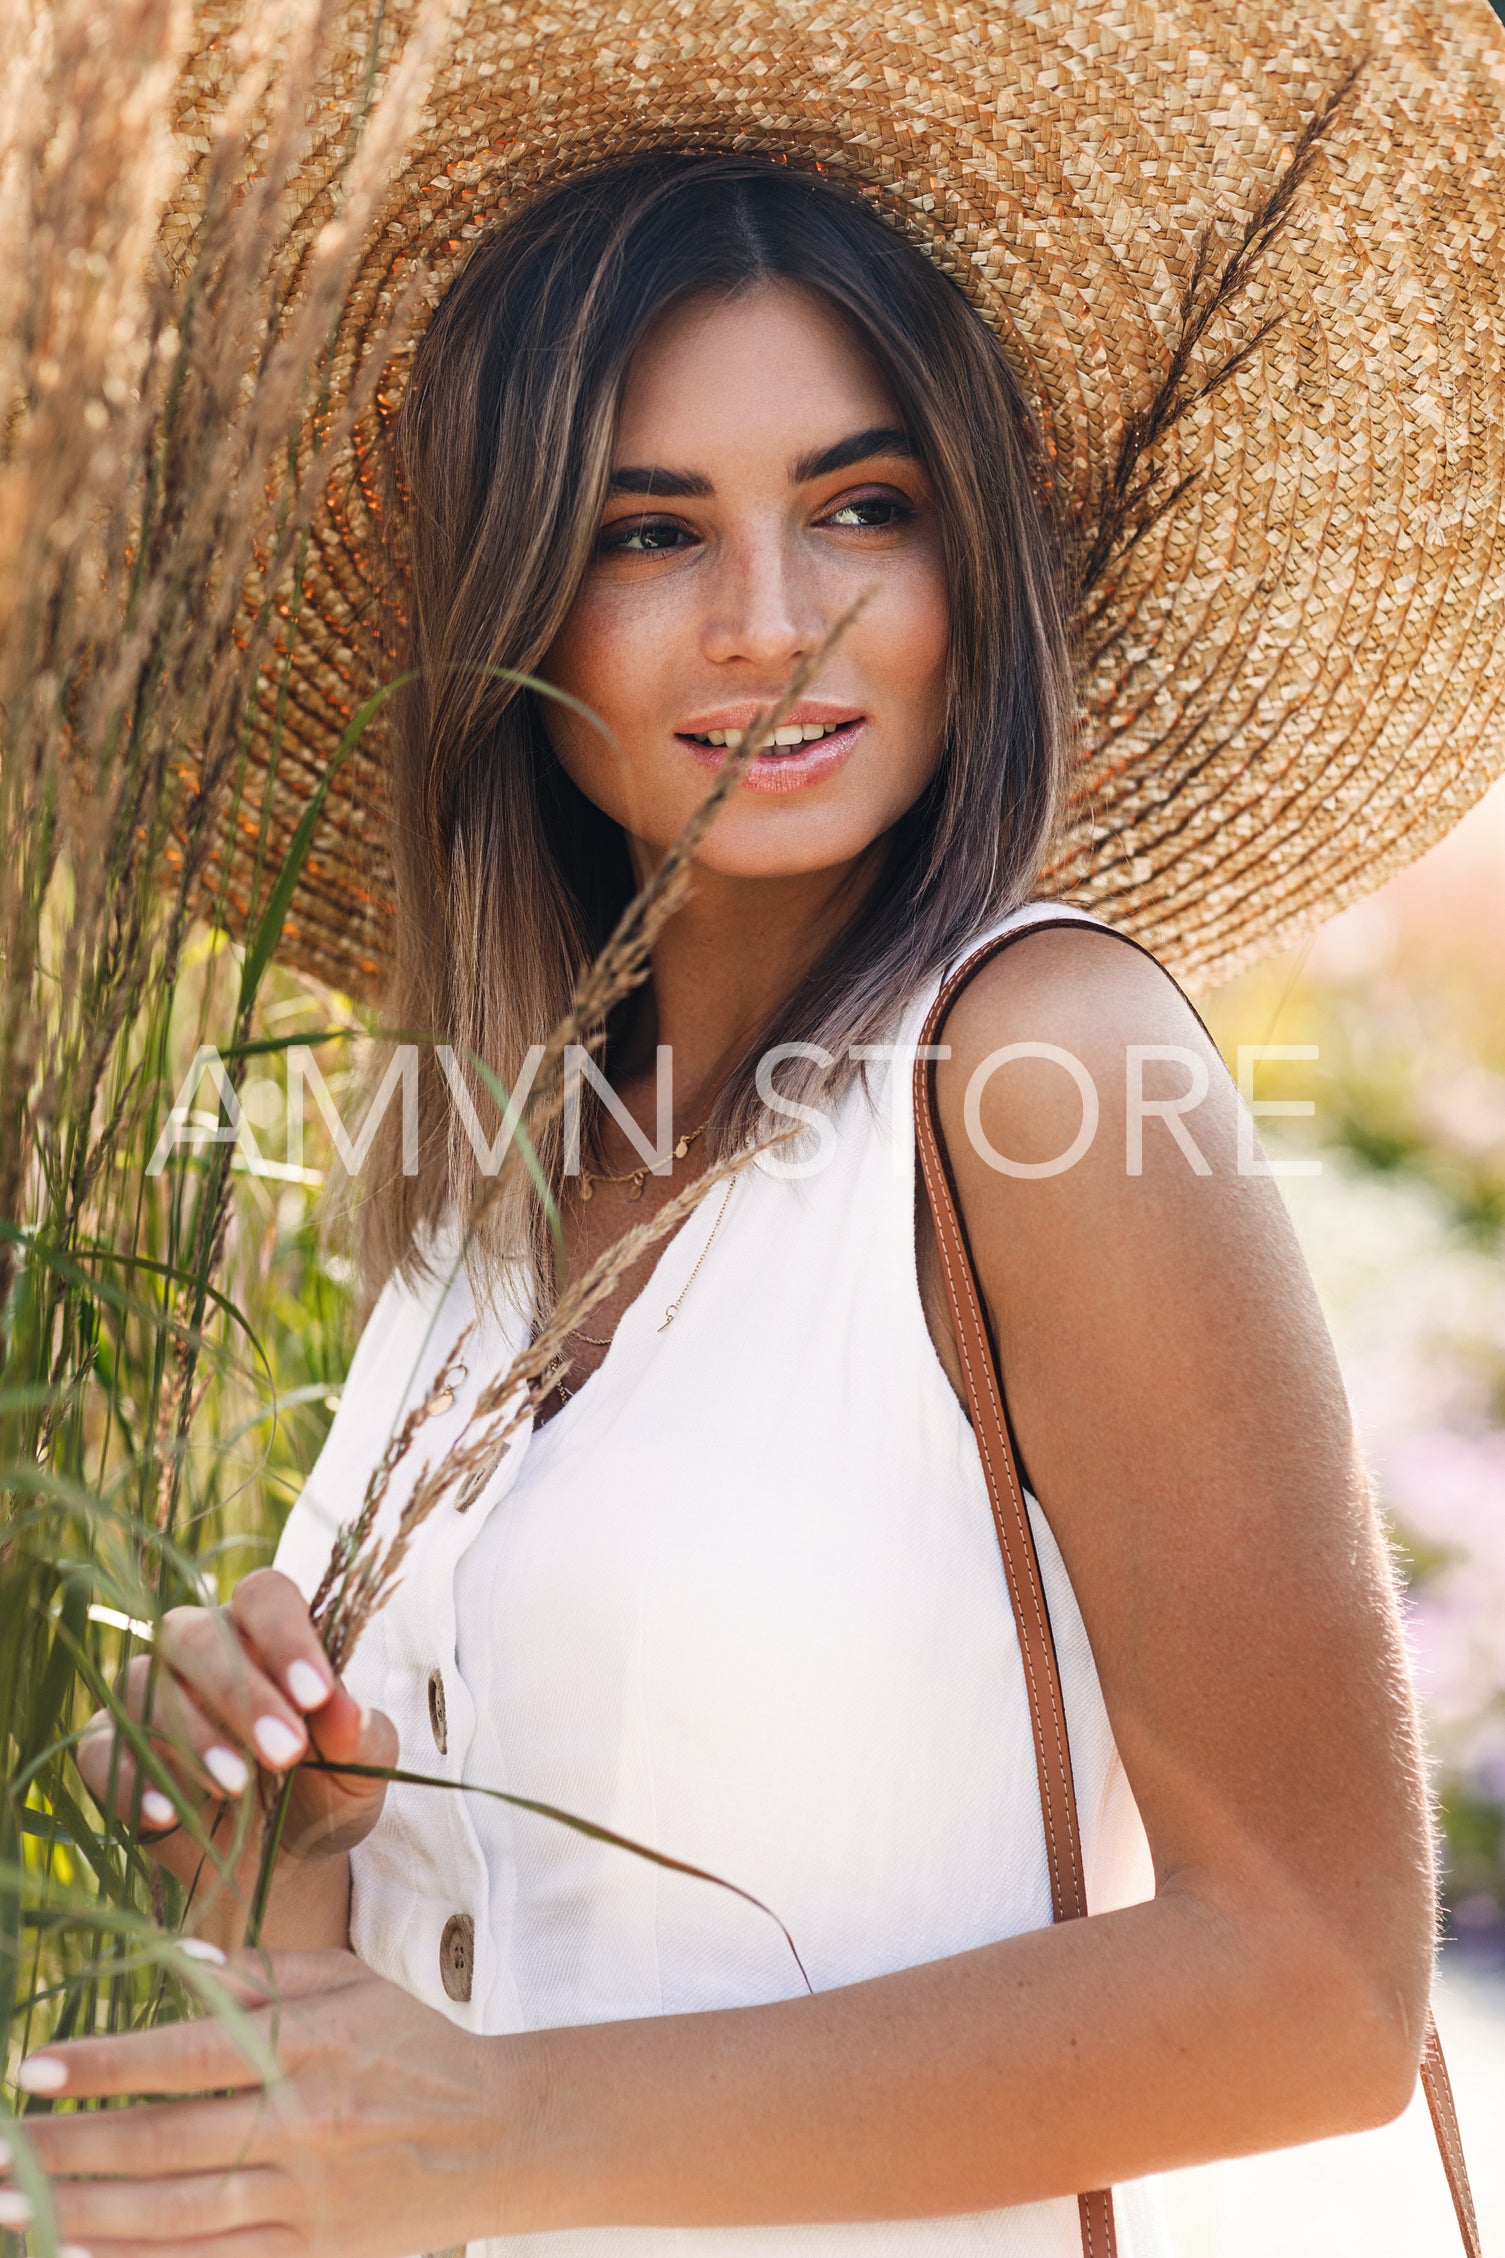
(154, 496)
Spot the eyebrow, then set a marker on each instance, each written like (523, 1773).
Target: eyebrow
(824, 462)
(878, 439)
(679, 485)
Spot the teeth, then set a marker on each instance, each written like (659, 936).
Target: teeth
(792, 733)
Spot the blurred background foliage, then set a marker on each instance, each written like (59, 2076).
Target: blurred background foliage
(1404, 997)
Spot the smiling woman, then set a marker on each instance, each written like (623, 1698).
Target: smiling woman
(661, 432)
(761, 1578)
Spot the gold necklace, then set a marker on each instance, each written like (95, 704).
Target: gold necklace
(598, 1342)
(636, 1178)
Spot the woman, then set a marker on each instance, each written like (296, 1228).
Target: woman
(736, 1592)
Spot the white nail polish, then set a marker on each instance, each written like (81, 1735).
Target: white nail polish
(199, 1948)
(307, 1688)
(15, 2211)
(42, 2073)
(73, 2250)
(276, 1744)
(227, 1769)
(157, 1807)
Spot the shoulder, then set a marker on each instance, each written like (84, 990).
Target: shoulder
(1068, 1028)
(1106, 1173)
(1077, 968)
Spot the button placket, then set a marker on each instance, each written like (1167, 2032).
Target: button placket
(422, 1624)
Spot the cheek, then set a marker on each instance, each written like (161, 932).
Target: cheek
(586, 659)
(623, 655)
(609, 656)
(908, 654)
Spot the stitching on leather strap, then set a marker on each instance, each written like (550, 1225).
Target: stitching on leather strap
(1439, 2092)
(1093, 2206)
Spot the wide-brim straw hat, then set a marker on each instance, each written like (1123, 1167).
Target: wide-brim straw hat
(1292, 674)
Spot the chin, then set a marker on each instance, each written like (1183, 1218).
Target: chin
(784, 842)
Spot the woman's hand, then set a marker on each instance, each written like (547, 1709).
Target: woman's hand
(233, 1699)
(369, 2127)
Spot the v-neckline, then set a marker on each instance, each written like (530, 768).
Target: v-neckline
(629, 1315)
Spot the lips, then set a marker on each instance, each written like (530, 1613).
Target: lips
(809, 746)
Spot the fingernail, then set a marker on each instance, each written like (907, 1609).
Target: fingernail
(73, 2250)
(277, 1744)
(199, 1948)
(42, 2073)
(363, 1721)
(223, 1765)
(308, 1689)
(15, 2211)
(157, 1807)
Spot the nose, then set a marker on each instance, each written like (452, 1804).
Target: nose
(764, 611)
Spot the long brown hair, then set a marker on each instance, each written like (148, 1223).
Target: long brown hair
(507, 877)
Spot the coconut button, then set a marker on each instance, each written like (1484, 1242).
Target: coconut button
(457, 1955)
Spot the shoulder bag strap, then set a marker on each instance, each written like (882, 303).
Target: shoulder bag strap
(1021, 1567)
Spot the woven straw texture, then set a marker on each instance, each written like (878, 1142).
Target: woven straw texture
(1291, 679)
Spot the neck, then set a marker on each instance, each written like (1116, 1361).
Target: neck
(727, 959)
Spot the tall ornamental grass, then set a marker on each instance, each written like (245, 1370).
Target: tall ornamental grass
(169, 1342)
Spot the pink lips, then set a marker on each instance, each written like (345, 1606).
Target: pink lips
(787, 771)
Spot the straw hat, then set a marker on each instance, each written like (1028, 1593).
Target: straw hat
(1292, 678)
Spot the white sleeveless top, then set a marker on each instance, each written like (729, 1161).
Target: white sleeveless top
(740, 1599)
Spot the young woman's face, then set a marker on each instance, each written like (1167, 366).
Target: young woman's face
(762, 482)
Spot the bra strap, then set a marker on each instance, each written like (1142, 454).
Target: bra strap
(1021, 1567)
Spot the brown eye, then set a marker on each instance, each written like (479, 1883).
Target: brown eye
(644, 537)
(867, 511)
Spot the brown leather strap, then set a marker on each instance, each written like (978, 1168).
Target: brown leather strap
(1021, 1567)
(1439, 2091)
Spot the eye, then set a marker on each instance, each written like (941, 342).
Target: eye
(643, 537)
(870, 512)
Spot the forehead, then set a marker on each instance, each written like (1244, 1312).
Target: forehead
(761, 376)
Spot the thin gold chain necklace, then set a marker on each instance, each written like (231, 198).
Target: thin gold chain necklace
(635, 1178)
(671, 1312)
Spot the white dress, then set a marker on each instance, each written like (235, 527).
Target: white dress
(740, 1599)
